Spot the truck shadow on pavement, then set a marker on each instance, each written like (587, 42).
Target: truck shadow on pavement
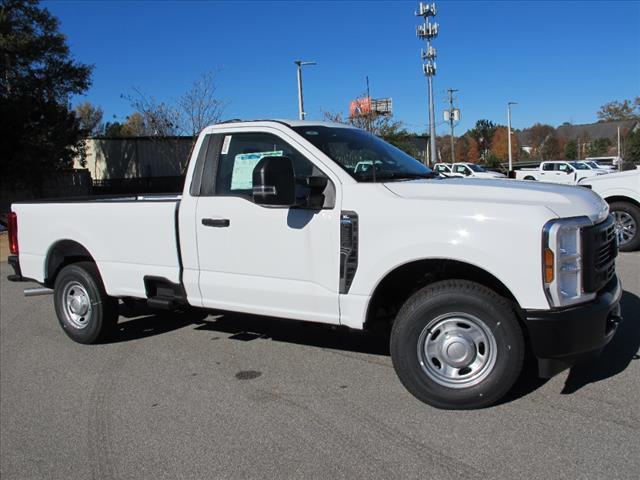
(616, 356)
(244, 327)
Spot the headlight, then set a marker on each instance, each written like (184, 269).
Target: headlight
(562, 261)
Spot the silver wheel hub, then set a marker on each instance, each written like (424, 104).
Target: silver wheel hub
(457, 350)
(76, 305)
(626, 227)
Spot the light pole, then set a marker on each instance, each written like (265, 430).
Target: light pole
(509, 134)
(300, 63)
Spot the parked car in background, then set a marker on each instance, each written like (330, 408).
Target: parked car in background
(554, 171)
(597, 166)
(612, 161)
(622, 192)
(466, 169)
(275, 220)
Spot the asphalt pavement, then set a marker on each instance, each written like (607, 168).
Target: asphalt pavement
(179, 396)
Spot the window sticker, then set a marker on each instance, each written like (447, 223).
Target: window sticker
(243, 165)
(225, 144)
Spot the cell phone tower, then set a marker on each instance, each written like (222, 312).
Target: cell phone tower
(428, 31)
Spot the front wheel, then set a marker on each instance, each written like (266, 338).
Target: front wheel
(627, 218)
(85, 311)
(456, 344)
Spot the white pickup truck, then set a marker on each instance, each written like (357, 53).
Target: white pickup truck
(622, 193)
(568, 172)
(274, 220)
(465, 170)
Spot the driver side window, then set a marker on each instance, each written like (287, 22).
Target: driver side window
(241, 152)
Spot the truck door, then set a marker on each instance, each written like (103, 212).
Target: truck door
(564, 173)
(271, 261)
(547, 173)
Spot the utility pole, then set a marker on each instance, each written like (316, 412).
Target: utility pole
(452, 115)
(619, 152)
(428, 31)
(509, 134)
(301, 112)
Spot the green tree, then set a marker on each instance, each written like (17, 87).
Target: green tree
(571, 150)
(90, 118)
(624, 110)
(483, 133)
(599, 147)
(632, 147)
(113, 129)
(39, 134)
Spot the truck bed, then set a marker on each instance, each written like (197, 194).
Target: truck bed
(129, 237)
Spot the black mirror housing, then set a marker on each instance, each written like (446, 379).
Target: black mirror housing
(274, 182)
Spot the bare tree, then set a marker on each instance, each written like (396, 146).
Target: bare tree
(90, 118)
(159, 118)
(199, 106)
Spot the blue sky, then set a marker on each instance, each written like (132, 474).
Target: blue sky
(559, 60)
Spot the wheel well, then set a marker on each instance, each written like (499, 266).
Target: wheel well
(399, 284)
(622, 199)
(61, 254)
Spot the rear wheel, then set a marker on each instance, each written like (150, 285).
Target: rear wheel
(85, 311)
(456, 344)
(529, 177)
(627, 217)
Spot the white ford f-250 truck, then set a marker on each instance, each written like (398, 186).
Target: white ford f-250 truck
(274, 220)
(567, 172)
(622, 192)
(465, 170)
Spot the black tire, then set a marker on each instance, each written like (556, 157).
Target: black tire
(85, 311)
(489, 314)
(529, 177)
(632, 211)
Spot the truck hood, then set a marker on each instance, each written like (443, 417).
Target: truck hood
(564, 201)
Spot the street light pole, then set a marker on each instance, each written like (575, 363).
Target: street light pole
(301, 112)
(509, 134)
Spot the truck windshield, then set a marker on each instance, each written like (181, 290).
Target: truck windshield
(579, 166)
(364, 156)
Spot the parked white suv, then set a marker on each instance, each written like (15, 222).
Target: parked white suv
(276, 218)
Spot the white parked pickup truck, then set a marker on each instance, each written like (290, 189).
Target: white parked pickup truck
(568, 172)
(466, 170)
(274, 220)
(622, 193)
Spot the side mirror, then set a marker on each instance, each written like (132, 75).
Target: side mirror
(314, 192)
(274, 182)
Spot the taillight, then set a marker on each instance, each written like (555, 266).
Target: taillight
(12, 224)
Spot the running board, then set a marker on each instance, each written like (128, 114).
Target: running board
(164, 294)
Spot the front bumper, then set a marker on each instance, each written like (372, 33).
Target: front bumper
(561, 338)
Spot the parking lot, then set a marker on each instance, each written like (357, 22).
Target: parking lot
(245, 397)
